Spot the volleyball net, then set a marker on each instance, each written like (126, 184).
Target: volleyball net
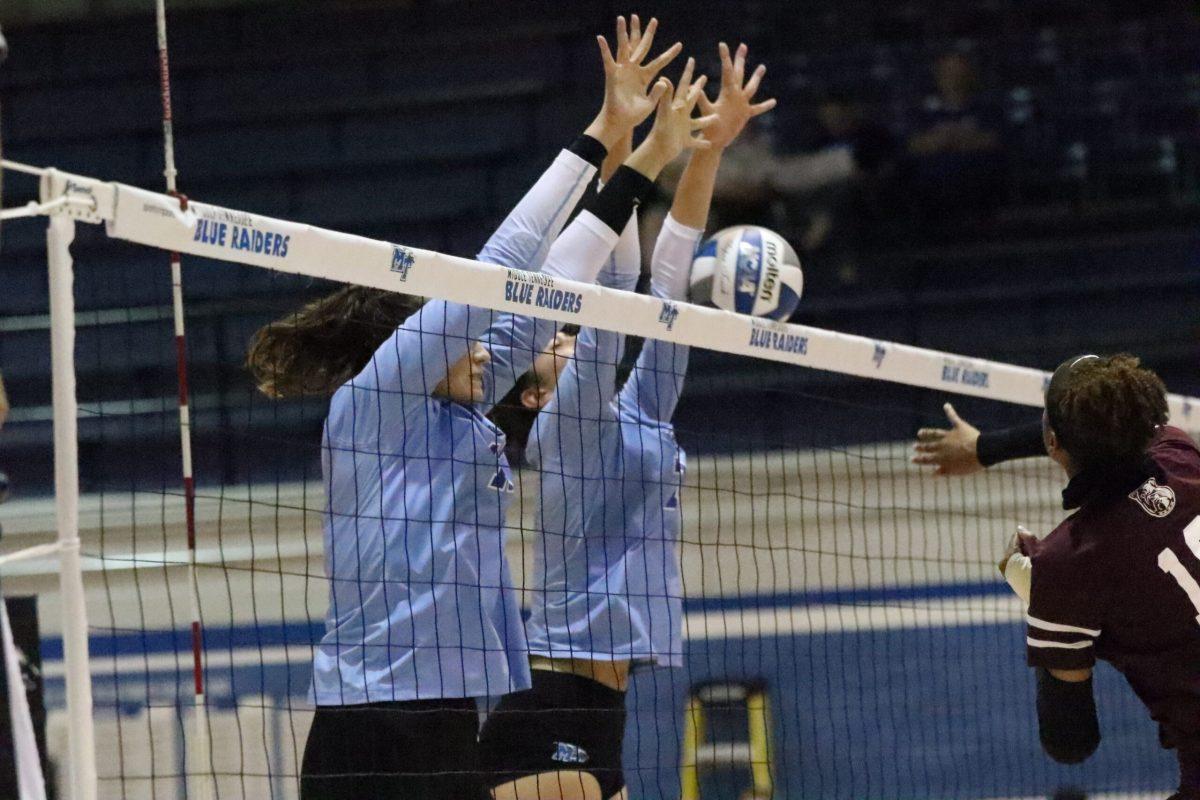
(843, 629)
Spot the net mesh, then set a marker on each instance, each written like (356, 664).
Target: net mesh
(849, 600)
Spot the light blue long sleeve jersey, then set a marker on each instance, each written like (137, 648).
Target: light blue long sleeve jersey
(421, 604)
(607, 584)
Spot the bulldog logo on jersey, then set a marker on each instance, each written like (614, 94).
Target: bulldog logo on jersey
(1155, 500)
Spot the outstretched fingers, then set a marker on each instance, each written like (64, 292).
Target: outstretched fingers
(739, 64)
(685, 80)
(762, 108)
(664, 58)
(642, 48)
(700, 124)
(661, 94)
(931, 434)
(755, 79)
(606, 55)
(726, 65)
(952, 415)
(695, 92)
(622, 40)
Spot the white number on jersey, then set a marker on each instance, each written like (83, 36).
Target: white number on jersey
(1169, 562)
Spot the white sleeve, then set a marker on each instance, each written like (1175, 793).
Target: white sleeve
(624, 267)
(525, 236)
(671, 266)
(581, 250)
(1019, 574)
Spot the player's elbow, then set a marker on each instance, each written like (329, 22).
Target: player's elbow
(1067, 722)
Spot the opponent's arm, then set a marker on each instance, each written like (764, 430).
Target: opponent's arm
(4, 407)
(962, 450)
(1068, 725)
(1063, 591)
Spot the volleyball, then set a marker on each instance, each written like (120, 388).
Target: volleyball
(748, 269)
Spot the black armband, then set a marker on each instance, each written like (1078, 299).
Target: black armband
(1021, 441)
(625, 191)
(1067, 722)
(589, 149)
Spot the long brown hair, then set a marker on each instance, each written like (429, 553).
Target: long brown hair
(1106, 411)
(316, 349)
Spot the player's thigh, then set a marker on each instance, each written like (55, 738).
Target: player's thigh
(561, 785)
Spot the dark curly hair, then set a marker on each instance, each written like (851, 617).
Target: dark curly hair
(1104, 411)
(316, 349)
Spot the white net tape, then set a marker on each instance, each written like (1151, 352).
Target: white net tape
(157, 220)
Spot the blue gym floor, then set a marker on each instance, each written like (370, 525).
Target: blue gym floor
(942, 712)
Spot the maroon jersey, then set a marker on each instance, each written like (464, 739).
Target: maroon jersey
(1119, 580)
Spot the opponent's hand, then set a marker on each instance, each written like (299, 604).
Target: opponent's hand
(952, 451)
(734, 106)
(674, 124)
(1020, 541)
(626, 80)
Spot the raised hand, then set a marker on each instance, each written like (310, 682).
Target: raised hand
(951, 450)
(734, 106)
(674, 125)
(626, 80)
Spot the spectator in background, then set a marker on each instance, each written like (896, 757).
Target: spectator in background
(955, 159)
(834, 189)
(821, 199)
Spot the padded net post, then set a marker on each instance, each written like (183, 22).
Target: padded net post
(82, 763)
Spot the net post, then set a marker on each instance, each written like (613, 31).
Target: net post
(81, 731)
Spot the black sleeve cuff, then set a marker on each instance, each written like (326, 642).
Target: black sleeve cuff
(625, 191)
(1021, 441)
(1067, 721)
(589, 149)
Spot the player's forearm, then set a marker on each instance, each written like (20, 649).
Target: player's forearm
(625, 266)
(605, 131)
(585, 388)
(671, 264)
(614, 204)
(522, 240)
(3, 403)
(693, 196)
(656, 382)
(1006, 444)
(651, 157)
(616, 157)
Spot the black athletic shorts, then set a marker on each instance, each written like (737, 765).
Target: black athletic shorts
(413, 750)
(565, 722)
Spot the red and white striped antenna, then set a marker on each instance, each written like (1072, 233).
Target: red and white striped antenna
(201, 783)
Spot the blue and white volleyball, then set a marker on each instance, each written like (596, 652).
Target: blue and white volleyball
(748, 269)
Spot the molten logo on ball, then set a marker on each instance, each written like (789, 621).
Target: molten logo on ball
(748, 269)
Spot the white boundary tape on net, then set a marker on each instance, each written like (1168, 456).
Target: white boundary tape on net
(156, 220)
